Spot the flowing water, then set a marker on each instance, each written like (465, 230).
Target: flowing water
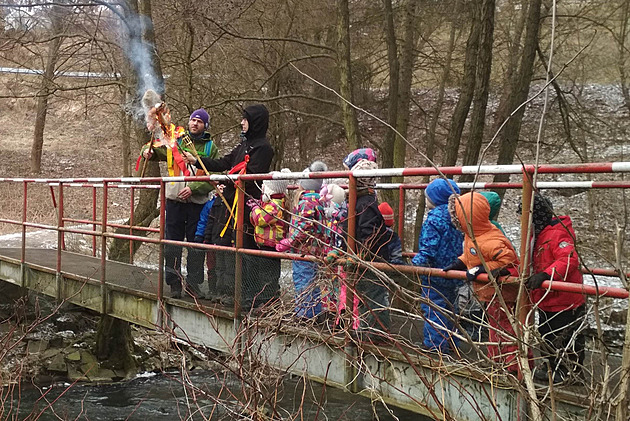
(163, 397)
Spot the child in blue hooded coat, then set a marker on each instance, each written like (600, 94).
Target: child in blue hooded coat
(439, 244)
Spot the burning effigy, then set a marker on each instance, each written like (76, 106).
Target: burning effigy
(165, 134)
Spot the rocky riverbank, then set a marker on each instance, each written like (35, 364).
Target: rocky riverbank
(42, 342)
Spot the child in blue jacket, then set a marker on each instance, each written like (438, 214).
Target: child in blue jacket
(439, 244)
(204, 218)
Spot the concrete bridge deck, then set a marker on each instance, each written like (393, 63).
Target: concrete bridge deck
(411, 381)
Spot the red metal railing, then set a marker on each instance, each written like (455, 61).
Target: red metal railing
(134, 183)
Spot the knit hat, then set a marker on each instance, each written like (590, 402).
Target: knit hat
(542, 213)
(440, 189)
(357, 155)
(337, 192)
(365, 182)
(202, 115)
(387, 212)
(313, 183)
(494, 200)
(271, 187)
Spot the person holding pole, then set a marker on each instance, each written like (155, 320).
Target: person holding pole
(184, 202)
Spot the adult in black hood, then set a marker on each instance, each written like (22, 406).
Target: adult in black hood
(256, 117)
(255, 145)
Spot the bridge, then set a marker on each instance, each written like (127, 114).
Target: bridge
(399, 373)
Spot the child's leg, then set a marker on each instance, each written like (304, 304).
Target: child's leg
(307, 293)
(501, 332)
(438, 314)
(224, 267)
(212, 276)
(374, 305)
(563, 343)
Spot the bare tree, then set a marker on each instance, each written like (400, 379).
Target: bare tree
(57, 17)
(350, 121)
(467, 88)
(509, 136)
(482, 86)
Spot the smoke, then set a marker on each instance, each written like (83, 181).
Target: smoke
(140, 55)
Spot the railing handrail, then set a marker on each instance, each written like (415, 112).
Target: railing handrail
(587, 168)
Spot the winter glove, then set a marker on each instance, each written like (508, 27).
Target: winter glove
(456, 265)
(350, 264)
(252, 203)
(198, 239)
(283, 245)
(332, 257)
(496, 273)
(536, 280)
(472, 273)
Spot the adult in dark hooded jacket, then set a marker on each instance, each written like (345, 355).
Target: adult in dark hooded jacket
(255, 153)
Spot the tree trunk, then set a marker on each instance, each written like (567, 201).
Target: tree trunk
(408, 56)
(148, 35)
(46, 88)
(188, 66)
(393, 75)
(113, 340)
(387, 149)
(114, 343)
(466, 92)
(503, 111)
(146, 209)
(482, 87)
(350, 121)
(509, 135)
(435, 117)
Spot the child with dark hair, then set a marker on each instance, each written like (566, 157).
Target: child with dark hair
(371, 245)
(439, 244)
(471, 213)
(554, 258)
(222, 291)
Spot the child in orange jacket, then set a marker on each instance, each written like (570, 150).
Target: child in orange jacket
(470, 213)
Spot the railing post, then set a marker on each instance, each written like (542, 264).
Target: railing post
(131, 225)
(350, 351)
(60, 246)
(401, 215)
(524, 306)
(104, 251)
(94, 219)
(23, 250)
(352, 205)
(238, 272)
(160, 292)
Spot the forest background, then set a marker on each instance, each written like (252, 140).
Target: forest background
(462, 82)
(452, 78)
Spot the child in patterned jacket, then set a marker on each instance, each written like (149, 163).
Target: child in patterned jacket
(308, 234)
(268, 219)
(268, 215)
